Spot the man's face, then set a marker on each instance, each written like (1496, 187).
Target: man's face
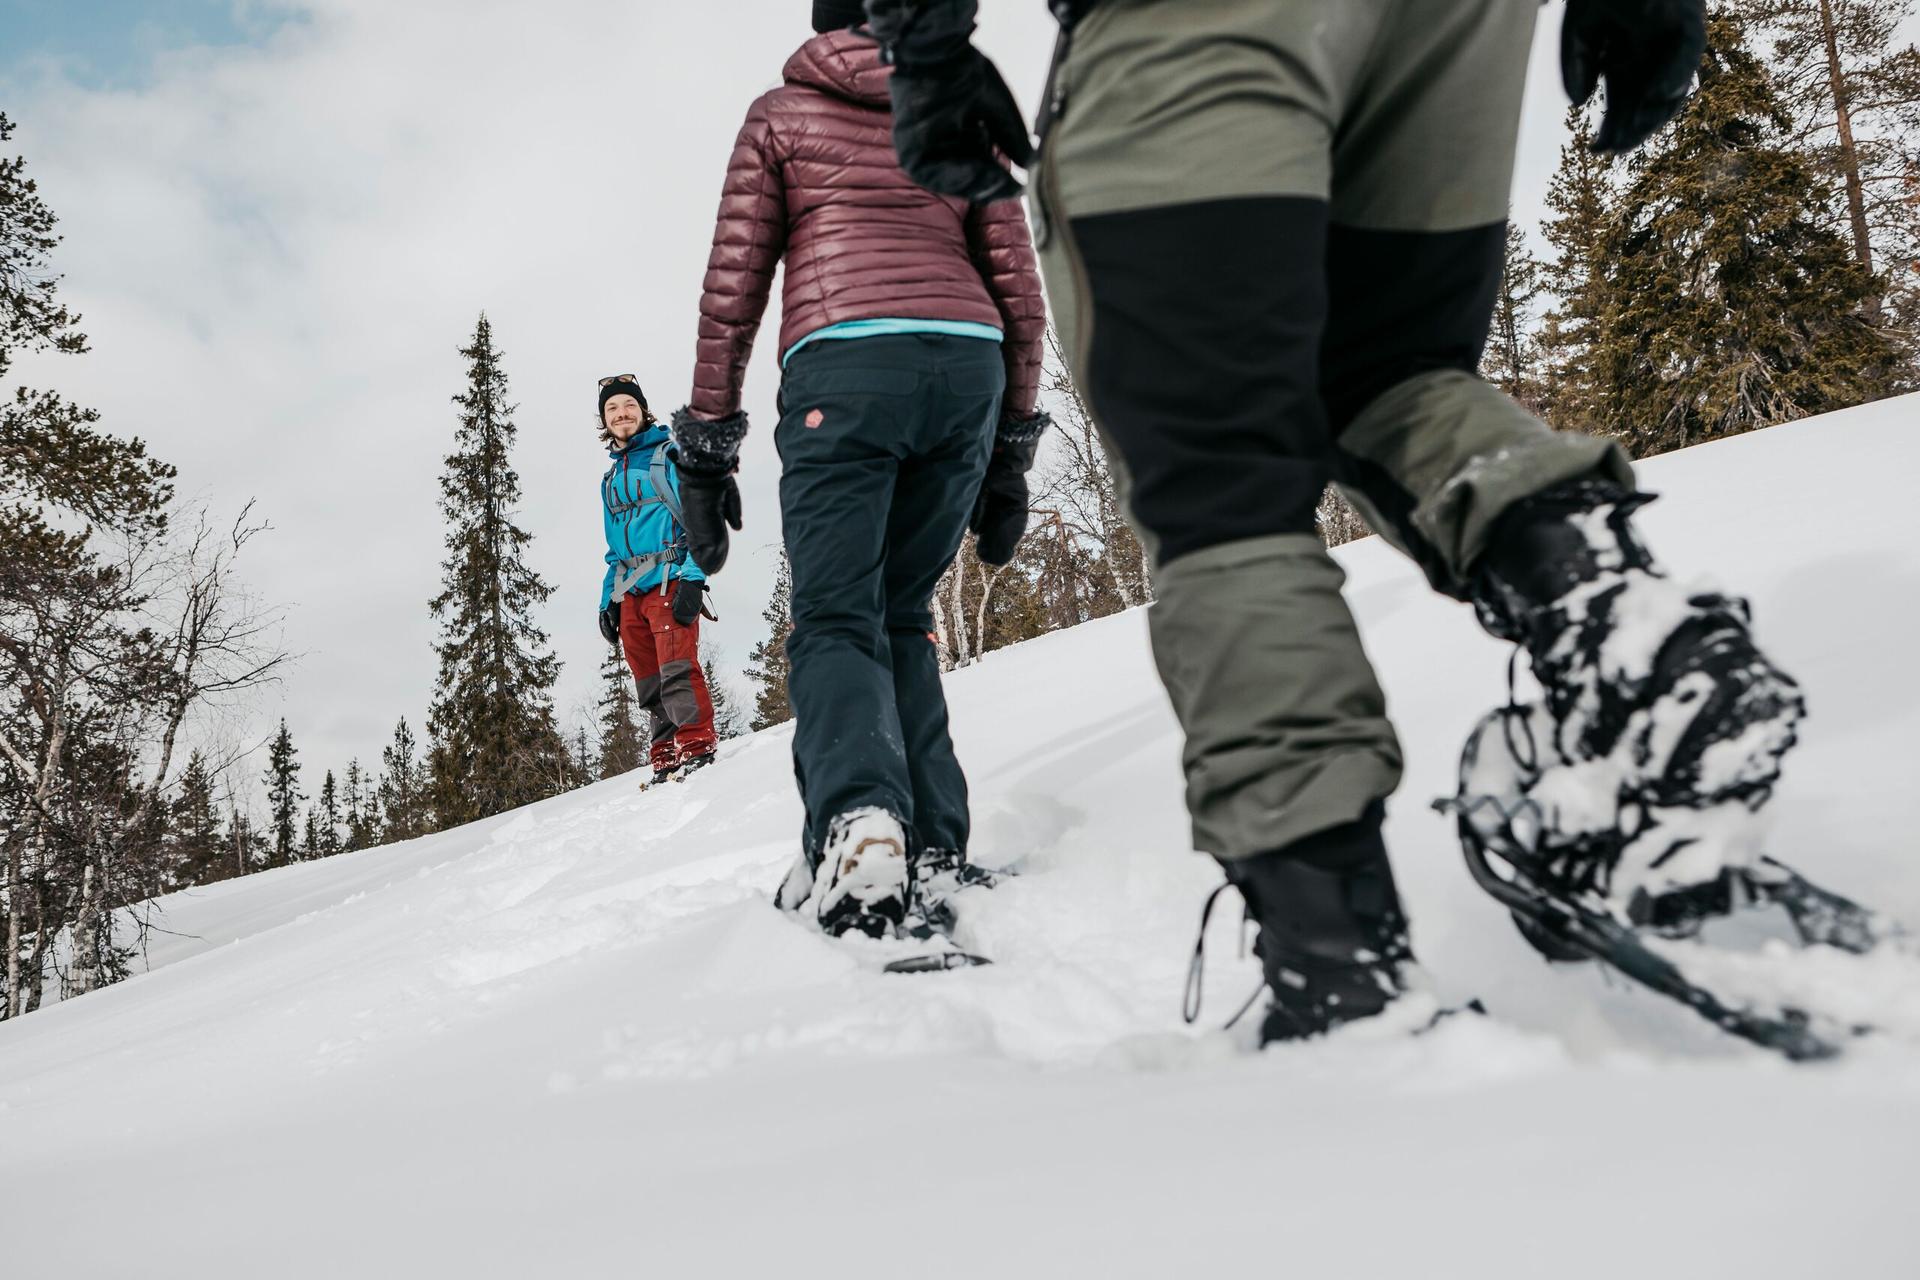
(623, 416)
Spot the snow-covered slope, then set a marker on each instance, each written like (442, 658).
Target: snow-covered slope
(576, 1040)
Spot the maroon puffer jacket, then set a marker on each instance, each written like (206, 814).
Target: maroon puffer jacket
(813, 176)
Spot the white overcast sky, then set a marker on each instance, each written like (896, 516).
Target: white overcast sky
(280, 237)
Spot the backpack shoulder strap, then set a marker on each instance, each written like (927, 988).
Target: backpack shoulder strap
(662, 486)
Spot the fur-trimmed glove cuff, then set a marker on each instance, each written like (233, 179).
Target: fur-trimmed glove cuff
(708, 446)
(1018, 440)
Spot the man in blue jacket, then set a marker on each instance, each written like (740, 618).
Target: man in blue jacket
(652, 598)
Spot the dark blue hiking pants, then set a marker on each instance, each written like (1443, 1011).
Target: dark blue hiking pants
(883, 445)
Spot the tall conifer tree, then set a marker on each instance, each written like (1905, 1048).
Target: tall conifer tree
(196, 850)
(284, 795)
(1580, 201)
(1730, 303)
(363, 809)
(327, 814)
(768, 659)
(404, 803)
(1511, 361)
(494, 741)
(727, 720)
(623, 747)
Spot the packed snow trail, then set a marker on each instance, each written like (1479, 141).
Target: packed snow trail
(577, 1040)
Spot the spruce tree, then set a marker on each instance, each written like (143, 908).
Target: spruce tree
(363, 809)
(727, 720)
(196, 848)
(768, 658)
(327, 813)
(586, 763)
(244, 852)
(1511, 361)
(623, 748)
(402, 795)
(283, 795)
(1730, 303)
(494, 742)
(1581, 200)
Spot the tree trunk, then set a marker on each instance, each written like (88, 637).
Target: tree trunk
(942, 636)
(961, 654)
(36, 975)
(84, 973)
(980, 621)
(1849, 155)
(15, 908)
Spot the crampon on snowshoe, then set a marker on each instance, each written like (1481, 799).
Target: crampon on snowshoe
(1593, 873)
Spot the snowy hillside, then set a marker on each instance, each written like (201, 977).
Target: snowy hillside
(577, 1041)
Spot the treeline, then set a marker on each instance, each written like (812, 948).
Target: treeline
(493, 740)
(1757, 262)
(125, 635)
(121, 620)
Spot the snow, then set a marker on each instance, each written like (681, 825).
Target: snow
(577, 1040)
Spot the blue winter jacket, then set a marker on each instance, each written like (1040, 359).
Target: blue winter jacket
(638, 523)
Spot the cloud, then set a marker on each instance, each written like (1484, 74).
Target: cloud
(279, 247)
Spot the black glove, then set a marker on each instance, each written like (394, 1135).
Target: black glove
(610, 622)
(953, 115)
(707, 451)
(687, 599)
(711, 504)
(1646, 50)
(1000, 512)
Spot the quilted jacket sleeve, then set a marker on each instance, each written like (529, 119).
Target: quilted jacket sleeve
(1002, 250)
(749, 236)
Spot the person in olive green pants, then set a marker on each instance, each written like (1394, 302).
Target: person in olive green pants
(1272, 234)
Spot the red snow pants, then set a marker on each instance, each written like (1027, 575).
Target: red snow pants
(665, 659)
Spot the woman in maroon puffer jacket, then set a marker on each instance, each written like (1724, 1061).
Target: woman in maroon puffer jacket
(910, 344)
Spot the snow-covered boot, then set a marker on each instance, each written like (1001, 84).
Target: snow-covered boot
(860, 880)
(1332, 938)
(693, 764)
(664, 773)
(1662, 684)
(1662, 728)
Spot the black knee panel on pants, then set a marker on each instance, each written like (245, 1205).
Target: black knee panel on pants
(1204, 363)
(1404, 303)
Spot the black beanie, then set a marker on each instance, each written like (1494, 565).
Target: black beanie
(622, 387)
(838, 15)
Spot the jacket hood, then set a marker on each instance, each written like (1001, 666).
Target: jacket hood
(845, 64)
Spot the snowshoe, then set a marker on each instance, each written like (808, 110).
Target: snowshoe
(692, 765)
(927, 923)
(1591, 874)
(931, 922)
(939, 874)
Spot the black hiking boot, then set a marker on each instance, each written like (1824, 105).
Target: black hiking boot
(693, 764)
(664, 773)
(1332, 938)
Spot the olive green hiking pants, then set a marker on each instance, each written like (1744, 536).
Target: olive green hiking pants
(1272, 232)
